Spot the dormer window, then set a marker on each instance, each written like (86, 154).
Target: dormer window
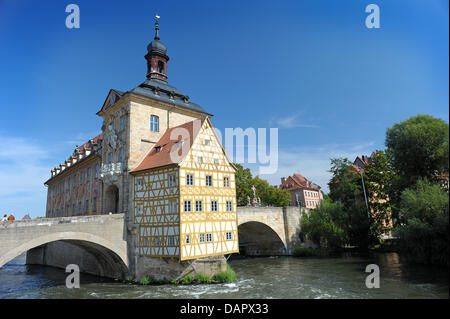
(158, 149)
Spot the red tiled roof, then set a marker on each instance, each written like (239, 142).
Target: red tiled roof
(81, 148)
(300, 179)
(296, 181)
(166, 143)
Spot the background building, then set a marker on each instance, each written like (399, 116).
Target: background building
(304, 193)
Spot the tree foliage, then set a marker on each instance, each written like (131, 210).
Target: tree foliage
(322, 225)
(345, 185)
(244, 182)
(268, 194)
(346, 189)
(380, 178)
(424, 237)
(419, 147)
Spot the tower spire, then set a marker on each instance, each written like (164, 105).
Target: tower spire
(156, 57)
(157, 27)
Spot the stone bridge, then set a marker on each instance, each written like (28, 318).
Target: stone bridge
(268, 231)
(95, 243)
(98, 246)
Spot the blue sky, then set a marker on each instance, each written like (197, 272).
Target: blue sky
(310, 68)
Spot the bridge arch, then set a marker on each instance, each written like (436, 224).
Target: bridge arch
(260, 239)
(112, 259)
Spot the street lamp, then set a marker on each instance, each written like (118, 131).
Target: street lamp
(364, 189)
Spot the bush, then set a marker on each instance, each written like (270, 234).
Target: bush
(226, 276)
(423, 238)
(186, 280)
(145, 280)
(202, 279)
(321, 225)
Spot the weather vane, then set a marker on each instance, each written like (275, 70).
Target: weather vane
(157, 16)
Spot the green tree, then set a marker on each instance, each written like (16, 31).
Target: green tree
(322, 225)
(268, 194)
(379, 177)
(244, 182)
(271, 195)
(419, 147)
(424, 237)
(345, 185)
(346, 189)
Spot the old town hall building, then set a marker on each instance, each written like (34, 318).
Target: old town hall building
(159, 162)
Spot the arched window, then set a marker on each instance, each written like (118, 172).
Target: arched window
(161, 67)
(154, 123)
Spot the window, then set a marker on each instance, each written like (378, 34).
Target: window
(172, 180)
(67, 210)
(202, 238)
(171, 241)
(154, 123)
(96, 170)
(121, 154)
(109, 157)
(156, 241)
(216, 161)
(214, 206)
(206, 142)
(198, 206)
(229, 235)
(187, 206)
(189, 179)
(139, 183)
(122, 122)
(81, 177)
(208, 180)
(139, 210)
(94, 204)
(188, 239)
(158, 149)
(200, 159)
(88, 174)
(73, 209)
(79, 208)
(161, 67)
(172, 206)
(86, 207)
(229, 206)
(226, 182)
(208, 238)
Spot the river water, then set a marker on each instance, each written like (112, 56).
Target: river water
(271, 277)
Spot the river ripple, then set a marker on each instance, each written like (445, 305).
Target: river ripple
(283, 277)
